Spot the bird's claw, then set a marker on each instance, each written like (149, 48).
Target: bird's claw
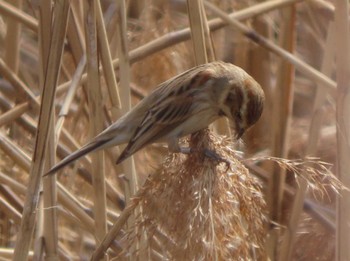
(208, 153)
(213, 155)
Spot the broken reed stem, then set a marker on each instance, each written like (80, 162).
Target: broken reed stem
(24, 236)
(96, 123)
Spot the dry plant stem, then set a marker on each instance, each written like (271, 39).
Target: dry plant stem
(56, 47)
(96, 119)
(69, 97)
(173, 38)
(106, 60)
(303, 67)
(12, 77)
(12, 39)
(29, 124)
(113, 232)
(311, 149)
(10, 211)
(8, 253)
(343, 127)
(208, 40)
(9, 10)
(131, 180)
(47, 235)
(281, 127)
(19, 85)
(194, 8)
(14, 113)
(124, 63)
(11, 197)
(66, 199)
(75, 34)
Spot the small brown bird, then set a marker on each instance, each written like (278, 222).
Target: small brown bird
(180, 106)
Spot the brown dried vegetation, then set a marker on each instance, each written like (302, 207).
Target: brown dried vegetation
(277, 200)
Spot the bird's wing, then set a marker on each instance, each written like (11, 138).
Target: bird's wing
(158, 121)
(172, 104)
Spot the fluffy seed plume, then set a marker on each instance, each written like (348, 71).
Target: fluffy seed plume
(195, 208)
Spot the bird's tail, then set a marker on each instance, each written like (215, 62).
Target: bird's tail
(93, 146)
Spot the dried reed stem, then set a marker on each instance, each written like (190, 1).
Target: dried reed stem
(173, 38)
(54, 61)
(343, 127)
(96, 119)
(106, 60)
(18, 15)
(12, 40)
(47, 232)
(311, 150)
(281, 127)
(194, 8)
(258, 39)
(124, 64)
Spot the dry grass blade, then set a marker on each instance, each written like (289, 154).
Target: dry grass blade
(18, 15)
(69, 97)
(343, 126)
(314, 134)
(47, 232)
(9, 210)
(255, 37)
(28, 220)
(173, 38)
(281, 125)
(12, 77)
(12, 40)
(66, 199)
(96, 119)
(124, 64)
(189, 207)
(194, 8)
(14, 113)
(106, 60)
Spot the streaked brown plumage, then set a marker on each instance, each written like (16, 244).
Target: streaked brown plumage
(180, 106)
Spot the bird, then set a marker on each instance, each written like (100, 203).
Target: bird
(180, 106)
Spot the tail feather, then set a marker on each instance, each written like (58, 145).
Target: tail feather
(76, 155)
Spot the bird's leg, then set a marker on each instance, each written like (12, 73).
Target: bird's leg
(213, 155)
(186, 150)
(174, 146)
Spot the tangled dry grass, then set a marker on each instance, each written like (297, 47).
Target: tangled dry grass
(193, 207)
(196, 208)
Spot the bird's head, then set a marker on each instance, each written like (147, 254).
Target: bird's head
(242, 102)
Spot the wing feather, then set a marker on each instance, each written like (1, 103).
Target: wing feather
(168, 110)
(158, 122)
